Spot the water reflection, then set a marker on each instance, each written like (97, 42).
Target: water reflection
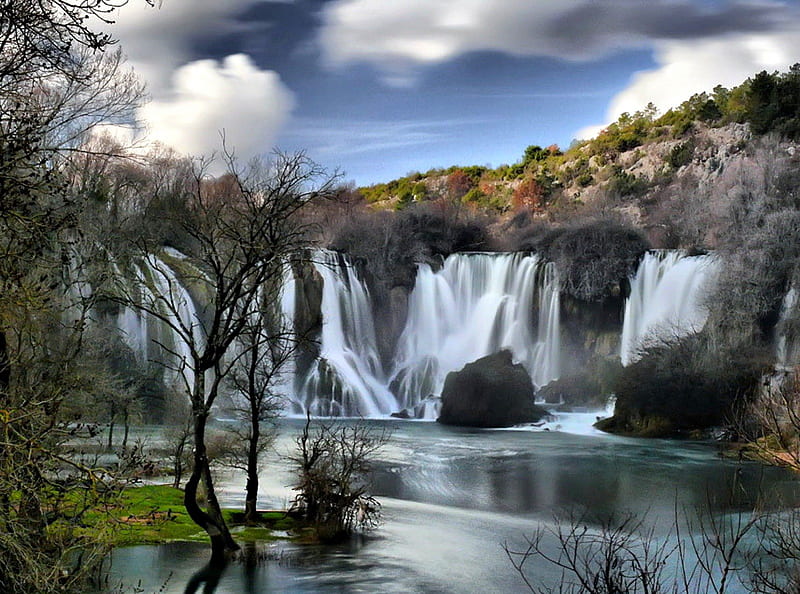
(208, 577)
(451, 497)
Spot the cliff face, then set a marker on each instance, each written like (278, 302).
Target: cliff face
(308, 311)
(688, 187)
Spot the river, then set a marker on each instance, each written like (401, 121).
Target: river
(451, 497)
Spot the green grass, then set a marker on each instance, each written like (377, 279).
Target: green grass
(155, 514)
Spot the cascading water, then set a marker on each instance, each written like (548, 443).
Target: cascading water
(475, 305)
(161, 289)
(787, 349)
(665, 299)
(133, 326)
(348, 378)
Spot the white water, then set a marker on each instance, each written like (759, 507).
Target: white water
(666, 299)
(165, 339)
(474, 306)
(348, 379)
(786, 347)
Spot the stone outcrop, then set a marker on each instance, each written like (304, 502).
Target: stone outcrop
(490, 392)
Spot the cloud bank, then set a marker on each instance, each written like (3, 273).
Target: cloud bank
(193, 101)
(688, 68)
(400, 35)
(208, 97)
(696, 45)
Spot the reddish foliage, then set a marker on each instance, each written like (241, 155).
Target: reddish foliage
(528, 195)
(458, 184)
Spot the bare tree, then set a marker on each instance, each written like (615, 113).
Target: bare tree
(333, 461)
(267, 345)
(240, 229)
(55, 85)
(704, 553)
(617, 557)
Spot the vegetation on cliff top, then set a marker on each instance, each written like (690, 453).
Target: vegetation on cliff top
(549, 180)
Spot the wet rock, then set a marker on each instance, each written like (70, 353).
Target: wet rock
(490, 392)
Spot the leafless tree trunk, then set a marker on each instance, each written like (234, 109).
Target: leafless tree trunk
(241, 229)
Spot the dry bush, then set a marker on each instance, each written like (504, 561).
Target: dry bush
(333, 463)
(594, 258)
(704, 553)
(682, 383)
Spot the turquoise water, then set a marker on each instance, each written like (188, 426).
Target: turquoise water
(451, 498)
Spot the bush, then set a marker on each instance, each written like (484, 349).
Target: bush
(594, 259)
(389, 245)
(685, 383)
(624, 184)
(333, 462)
(756, 273)
(681, 154)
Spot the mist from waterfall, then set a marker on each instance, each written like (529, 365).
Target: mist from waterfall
(665, 299)
(475, 305)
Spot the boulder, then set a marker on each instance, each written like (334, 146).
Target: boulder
(490, 392)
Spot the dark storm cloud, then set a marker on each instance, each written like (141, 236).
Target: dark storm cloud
(594, 24)
(400, 36)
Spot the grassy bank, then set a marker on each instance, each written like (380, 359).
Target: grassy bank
(155, 514)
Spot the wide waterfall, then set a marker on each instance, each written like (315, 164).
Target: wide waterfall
(665, 299)
(475, 305)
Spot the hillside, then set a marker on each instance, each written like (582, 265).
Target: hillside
(672, 175)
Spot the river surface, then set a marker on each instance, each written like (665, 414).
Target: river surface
(452, 497)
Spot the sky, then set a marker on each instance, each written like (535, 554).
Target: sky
(376, 89)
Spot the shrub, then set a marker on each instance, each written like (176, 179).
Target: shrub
(685, 383)
(333, 462)
(681, 154)
(389, 245)
(594, 258)
(529, 194)
(624, 184)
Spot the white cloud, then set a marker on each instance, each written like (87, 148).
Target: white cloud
(155, 39)
(249, 104)
(399, 36)
(687, 68)
(193, 101)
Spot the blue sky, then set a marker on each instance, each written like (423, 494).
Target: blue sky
(380, 88)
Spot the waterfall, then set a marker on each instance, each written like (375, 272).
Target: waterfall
(348, 378)
(162, 290)
(133, 326)
(475, 305)
(287, 341)
(665, 299)
(786, 347)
